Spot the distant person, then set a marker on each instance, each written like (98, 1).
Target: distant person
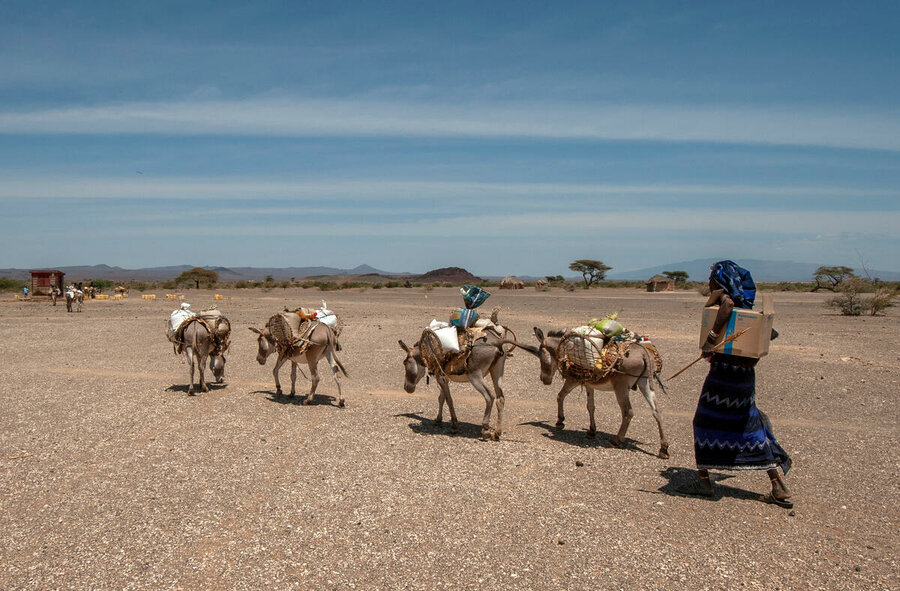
(25, 292)
(730, 433)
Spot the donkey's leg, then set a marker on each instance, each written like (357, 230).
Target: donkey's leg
(568, 386)
(592, 430)
(189, 353)
(478, 383)
(201, 361)
(647, 391)
(278, 363)
(329, 355)
(444, 385)
(293, 377)
(440, 416)
(313, 362)
(497, 378)
(621, 389)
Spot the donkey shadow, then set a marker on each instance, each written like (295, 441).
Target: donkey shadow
(579, 438)
(426, 426)
(680, 477)
(297, 400)
(213, 386)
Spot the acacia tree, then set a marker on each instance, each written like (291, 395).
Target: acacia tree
(198, 274)
(831, 278)
(678, 276)
(591, 271)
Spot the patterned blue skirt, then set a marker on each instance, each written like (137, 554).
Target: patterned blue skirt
(730, 433)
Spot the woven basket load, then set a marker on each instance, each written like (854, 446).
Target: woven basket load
(578, 351)
(432, 351)
(219, 328)
(281, 331)
(579, 357)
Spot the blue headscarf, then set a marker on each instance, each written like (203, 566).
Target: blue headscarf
(736, 281)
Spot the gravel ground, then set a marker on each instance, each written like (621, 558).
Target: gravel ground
(111, 477)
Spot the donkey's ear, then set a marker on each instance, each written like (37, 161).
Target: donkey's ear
(539, 334)
(256, 330)
(404, 346)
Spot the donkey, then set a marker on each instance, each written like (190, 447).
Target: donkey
(635, 370)
(322, 343)
(74, 297)
(486, 357)
(197, 344)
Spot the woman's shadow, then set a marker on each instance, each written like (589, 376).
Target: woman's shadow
(679, 479)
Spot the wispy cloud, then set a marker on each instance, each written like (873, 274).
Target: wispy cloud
(142, 187)
(858, 129)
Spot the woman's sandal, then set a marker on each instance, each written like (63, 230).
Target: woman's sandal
(786, 503)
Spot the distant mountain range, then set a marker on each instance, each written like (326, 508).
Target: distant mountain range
(768, 271)
(226, 274)
(697, 269)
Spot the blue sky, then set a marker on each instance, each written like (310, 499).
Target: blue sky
(501, 137)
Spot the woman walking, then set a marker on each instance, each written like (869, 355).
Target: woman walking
(730, 433)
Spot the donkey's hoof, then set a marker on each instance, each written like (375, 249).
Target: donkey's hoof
(306, 401)
(454, 429)
(615, 442)
(495, 436)
(341, 403)
(591, 433)
(560, 424)
(190, 391)
(205, 388)
(663, 453)
(278, 391)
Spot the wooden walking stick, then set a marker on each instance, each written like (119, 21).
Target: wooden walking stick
(722, 344)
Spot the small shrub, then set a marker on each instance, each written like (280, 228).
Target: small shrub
(570, 287)
(377, 285)
(241, 284)
(392, 284)
(882, 299)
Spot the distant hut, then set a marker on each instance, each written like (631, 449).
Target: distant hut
(542, 285)
(660, 283)
(511, 282)
(44, 280)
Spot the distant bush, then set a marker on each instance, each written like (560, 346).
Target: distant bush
(241, 284)
(284, 284)
(101, 284)
(393, 284)
(7, 284)
(849, 301)
(377, 285)
(136, 285)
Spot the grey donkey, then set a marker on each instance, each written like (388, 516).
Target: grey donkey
(487, 357)
(322, 343)
(635, 370)
(197, 344)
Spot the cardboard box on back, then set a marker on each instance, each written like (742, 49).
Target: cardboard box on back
(754, 342)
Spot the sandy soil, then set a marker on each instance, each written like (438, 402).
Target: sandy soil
(112, 477)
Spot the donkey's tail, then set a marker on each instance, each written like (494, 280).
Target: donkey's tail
(530, 348)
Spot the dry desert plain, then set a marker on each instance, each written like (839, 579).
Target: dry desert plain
(111, 477)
